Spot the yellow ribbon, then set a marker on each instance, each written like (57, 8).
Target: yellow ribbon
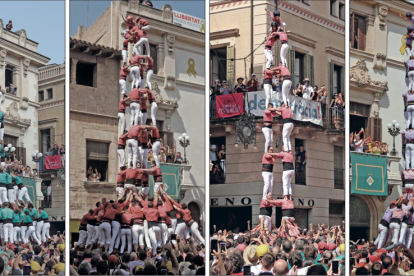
(191, 69)
(203, 27)
(402, 49)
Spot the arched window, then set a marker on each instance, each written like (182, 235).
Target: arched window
(195, 211)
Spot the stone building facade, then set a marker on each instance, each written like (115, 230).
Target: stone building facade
(377, 81)
(316, 51)
(180, 96)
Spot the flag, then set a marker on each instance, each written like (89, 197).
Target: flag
(53, 162)
(229, 105)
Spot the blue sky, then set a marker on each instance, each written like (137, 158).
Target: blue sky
(78, 10)
(44, 22)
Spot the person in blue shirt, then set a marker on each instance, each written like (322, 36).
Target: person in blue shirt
(17, 221)
(44, 217)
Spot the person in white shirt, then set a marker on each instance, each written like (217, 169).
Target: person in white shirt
(267, 262)
(49, 195)
(307, 89)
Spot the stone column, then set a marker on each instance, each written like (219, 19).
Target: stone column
(73, 70)
(169, 61)
(3, 54)
(160, 59)
(375, 105)
(23, 88)
(370, 34)
(380, 37)
(39, 194)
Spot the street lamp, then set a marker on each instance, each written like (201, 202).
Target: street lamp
(9, 150)
(394, 130)
(36, 157)
(184, 142)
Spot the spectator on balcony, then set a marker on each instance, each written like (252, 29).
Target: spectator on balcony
(146, 3)
(97, 175)
(222, 158)
(323, 94)
(49, 152)
(253, 84)
(225, 90)
(337, 106)
(49, 195)
(9, 25)
(55, 150)
(314, 96)
(44, 190)
(13, 89)
(162, 156)
(178, 158)
(307, 89)
(384, 149)
(34, 173)
(216, 88)
(240, 87)
(62, 154)
(89, 172)
(298, 92)
(275, 84)
(170, 156)
(302, 159)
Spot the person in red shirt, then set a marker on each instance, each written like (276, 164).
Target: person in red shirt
(268, 161)
(130, 179)
(105, 227)
(143, 138)
(157, 174)
(267, 84)
(270, 42)
(137, 223)
(83, 234)
(121, 148)
(155, 141)
(265, 214)
(162, 221)
(143, 106)
(286, 113)
(126, 234)
(144, 26)
(170, 209)
(191, 224)
(151, 216)
(277, 20)
(123, 74)
(120, 181)
(132, 143)
(154, 106)
(288, 172)
(181, 228)
(253, 84)
(121, 113)
(135, 63)
(267, 125)
(129, 21)
(150, 71)
(286, 81)
(95, 234)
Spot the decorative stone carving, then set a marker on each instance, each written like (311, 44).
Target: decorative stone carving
(369, 20)
(169, 82)
(22, 37)
(26, 63)
(3, 54)
(380, 61)
(167, 13)
(382, 16)
(133, 4)
(22, 144)
(1, 27)
(170, 41)
(24, 103)
(12, 114)
(168, 113)
(383, 198)
(359, 74)
(159, 99)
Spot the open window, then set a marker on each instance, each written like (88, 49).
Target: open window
(300, 157)
(153, 54)
(218, 65)
(8, 75)
(86, 74)
(357, 32)
(97, 158)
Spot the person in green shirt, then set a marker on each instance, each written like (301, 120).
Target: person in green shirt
(7, 215)
(44, 217)
(27, 219)
(5, 179)
(16, 181)
(17, 229)
(22, 190)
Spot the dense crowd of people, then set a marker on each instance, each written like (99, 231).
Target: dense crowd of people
(366, 145)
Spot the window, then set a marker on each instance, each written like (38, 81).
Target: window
(337, 79)
(9, 75)
(153, 54)
(86, 74)
(358, 32)
(342, 11)
(336, 213)
(41, 96)
(218, 65)
(333, 8)
(49, 93)
(218, 171)
(299, 77)
(338, 168)
(97, 158)
(45, 140)
(300, 168)
(359, 114)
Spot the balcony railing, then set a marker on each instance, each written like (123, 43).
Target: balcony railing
(333, 118)
(52, 72)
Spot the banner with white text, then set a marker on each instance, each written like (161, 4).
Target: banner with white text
(302, 109)
(189, 22)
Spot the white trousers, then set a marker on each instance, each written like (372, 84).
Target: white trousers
(31, 232)
(145, 190)
(268, 135)
(121, 154)
(1, 134)
(125, 56)
(122, 84)
(283, 51)
(91, 233)
(39, 228)
(105, 231)
(144, 117)
(132, 152)
(135, 113)
(409, 237)
(23, 193)
(409, 155)
(3, 195)
(11, 194)
(136, 77)
(23, 234)
(154, 108)
(194, 230)
(17, 234)
(83, 235)
(287, 130)
(156, 151)
(157, 186)
(164, 233)
(116, 227)
(45, 231)
(96, 235)
(267, 222)
(138, 234)
(146, 234)
(395, 230)
(155, 237)
(126, 238)
(8, 232)
(286, 85)
(268, 91)
(121, 117)
(287, 179)
(174, 224)
(382, 235)
(269, 57)
(131, 186)
(403, 231)
(119, 190)
(150, 73)
(144, 157)
(268, 183)
(411, 80)
(138, 46)
(182, 231)
(410, 52)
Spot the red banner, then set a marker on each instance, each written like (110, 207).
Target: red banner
(229, 105)
(53, 162)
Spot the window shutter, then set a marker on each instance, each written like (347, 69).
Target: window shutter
(361, 34)
(154, 56)
(52, 136)
(343, 82)
(308, 68)
(351, 29)
(292, 66)
(312, 77)
(374, 128)
(170, 139)
(39, 141)
(331, 78)
(230, 66)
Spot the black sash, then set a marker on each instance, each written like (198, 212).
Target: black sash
(287, 120)
(266, 211)
(396, 220)
(287, 166)
(171, 214)
(130, 181)
(267, 167)
(287, 213)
